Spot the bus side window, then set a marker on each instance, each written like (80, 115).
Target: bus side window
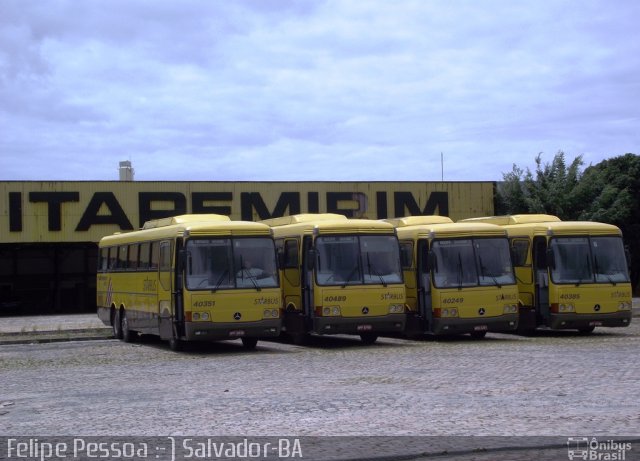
(406, 253)
(133, 257)
(143, 261)
(519, 252)
(103, 262)
(291, 256)
(165, 264)
(113, 258)
(155, 255)
(122, 257)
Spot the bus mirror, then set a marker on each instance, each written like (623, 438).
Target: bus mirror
(627, 255)
(432, 261)
(310, 262)
(280, 255)
(551, 259)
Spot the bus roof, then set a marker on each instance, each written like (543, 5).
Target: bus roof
(564, 228)
(418, 220)
(327, 223)
(184, 219)
(544, 224)
(189, 225)
(303, 218)
(514, 219)
(451, 230)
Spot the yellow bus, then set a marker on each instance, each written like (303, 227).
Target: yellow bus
(571, 275)
(459, 277)
(191, 277)
(339, 276)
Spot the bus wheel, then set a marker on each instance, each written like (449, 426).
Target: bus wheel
(299, 339)
(128, 336)
(249, 343)
(478, 334)
(176, 345)
(368, 338)
(587, 330)
(117, 324)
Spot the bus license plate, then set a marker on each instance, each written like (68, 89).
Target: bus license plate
(365, 327)
(595, 323)
(480, 328)
(236, 333)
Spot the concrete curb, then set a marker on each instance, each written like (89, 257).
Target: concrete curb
(37, 337)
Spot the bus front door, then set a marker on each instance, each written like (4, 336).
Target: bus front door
(425, 302)
(165, 306)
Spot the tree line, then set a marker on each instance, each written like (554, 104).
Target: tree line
(606, 192)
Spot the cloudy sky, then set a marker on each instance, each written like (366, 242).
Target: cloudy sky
(313, 89)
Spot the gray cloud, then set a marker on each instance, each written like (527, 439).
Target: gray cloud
(327, 90)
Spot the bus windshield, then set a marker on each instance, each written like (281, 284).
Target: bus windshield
(588, 260)
(225, 263)
(494, 261)
(471, 262)
(357, 260)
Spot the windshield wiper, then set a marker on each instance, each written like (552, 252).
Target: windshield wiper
(583, 279)
(219, 282)
(597, 271)
(351, 274)
(372, 270)
(482, 274)
(250, 276)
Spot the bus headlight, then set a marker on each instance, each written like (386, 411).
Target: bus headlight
(195, 316)
(331, 310)
(623, 306)
(270, 313)
(396, 308)
(449, 312)
(204, 316)
(565, 308)
(510, 309)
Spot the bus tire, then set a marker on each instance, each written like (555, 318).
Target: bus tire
(128, 336)
(587, 330)
(116, 324)
(176, 345)
(299, 339)
(478, 334)
(368, 338)
(249, 343)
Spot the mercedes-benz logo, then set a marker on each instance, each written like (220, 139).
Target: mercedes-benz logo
(365, 310)
(481, 311)
(237, 316)
(596, 307)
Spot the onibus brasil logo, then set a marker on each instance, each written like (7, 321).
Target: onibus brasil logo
(588, 449)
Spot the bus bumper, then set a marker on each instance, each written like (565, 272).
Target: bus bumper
(207, 331)
(457, 326)
(587, 321)
(392, 323)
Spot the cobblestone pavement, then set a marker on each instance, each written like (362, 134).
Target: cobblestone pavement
(551, 384)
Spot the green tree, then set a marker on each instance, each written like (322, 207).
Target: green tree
(550, 190)
(607, 192)
(610, 191)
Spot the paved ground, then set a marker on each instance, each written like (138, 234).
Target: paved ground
(557, 385)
